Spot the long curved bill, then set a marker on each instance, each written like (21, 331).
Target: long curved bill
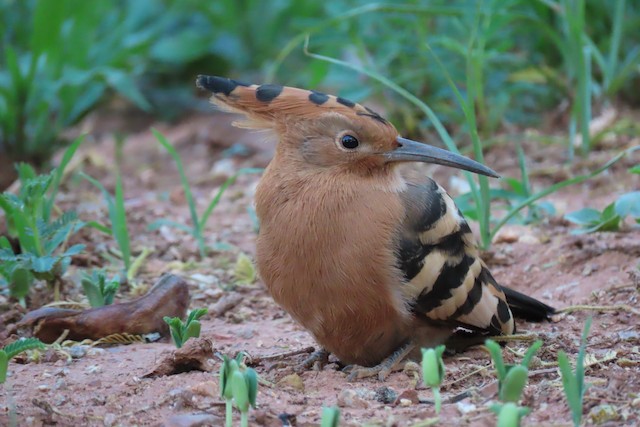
(412, 151)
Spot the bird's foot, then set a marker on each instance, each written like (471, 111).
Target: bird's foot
(316, 360)
(383, 369)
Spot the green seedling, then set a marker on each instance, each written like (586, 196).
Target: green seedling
(511, 378)
(509, 414)
(238, 384)
(11, 350)
(244, 386)
(245, 271)
(198, 223)
(227, 369)
(433, 372)
(611, 217)
(573, 383)
(330, 417)
(99, 290)
(182, 331)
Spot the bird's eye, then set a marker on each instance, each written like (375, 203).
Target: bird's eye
(349, 141)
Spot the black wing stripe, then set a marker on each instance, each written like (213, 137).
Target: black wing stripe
(450, 278)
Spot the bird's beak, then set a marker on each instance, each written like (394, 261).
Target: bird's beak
(412, 151)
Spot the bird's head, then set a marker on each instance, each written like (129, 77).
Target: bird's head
(326, 131)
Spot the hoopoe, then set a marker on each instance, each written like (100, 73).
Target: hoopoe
(373, 264)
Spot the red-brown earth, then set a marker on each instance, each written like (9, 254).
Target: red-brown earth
(106, 386)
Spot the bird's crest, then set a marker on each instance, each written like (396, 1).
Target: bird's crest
(266, 105)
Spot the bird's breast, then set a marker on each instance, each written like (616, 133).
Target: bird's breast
(325, 252)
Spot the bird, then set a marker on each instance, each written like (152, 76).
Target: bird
(373, 263)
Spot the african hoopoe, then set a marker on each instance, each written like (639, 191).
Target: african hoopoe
(372, 263)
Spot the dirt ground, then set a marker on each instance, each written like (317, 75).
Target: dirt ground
(106, 385)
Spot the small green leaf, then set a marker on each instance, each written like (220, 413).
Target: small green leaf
(432, 372)
(251, 377)
(496, 355)
(240, 391)
(628, 204)
(586, 216)
(192, 330)
(526, 360)
(330, 417)
(635, 169)
(513, 384)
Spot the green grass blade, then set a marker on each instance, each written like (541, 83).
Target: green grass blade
(552, 189)
(195, 230)
(223, 188)
(58, 175)
(581, 355)
(119, 223)
(614, 46)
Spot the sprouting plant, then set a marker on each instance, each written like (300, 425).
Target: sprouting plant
(330, 417)
(99, 290)
(509, 414)
(244, 385)
(238, 384)
(182, 331)
(198, 223)
(573, 383)
(227, 368)
(244, 272)
(433, 372)
(511, 378)
(42, 241)
(610, 218)
(13, 349)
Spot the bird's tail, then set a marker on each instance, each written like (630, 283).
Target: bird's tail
(526, 307)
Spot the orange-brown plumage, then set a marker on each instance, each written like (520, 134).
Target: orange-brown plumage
(367, 260)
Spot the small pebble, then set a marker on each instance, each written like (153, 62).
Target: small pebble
(109, 419)
(465, 407)
(385, 395)
(78, 351)
(350, 399)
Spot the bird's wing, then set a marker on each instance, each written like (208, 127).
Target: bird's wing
(445, 279)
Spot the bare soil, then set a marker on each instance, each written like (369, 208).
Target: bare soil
(106, 385)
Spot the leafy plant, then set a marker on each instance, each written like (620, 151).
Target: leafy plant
(573, 383)
(330, 417)
(238, 384)
(11, 350)
(433, 372)
(99, 290)
(57, 61)
(198, 223)
(511, 378)
(610, 218)
(227, 368)
(182, 331)
(42, 245)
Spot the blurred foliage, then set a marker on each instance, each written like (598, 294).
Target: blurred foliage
(59, 58)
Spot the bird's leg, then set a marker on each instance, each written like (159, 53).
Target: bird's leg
(383, 369)
(318, 359)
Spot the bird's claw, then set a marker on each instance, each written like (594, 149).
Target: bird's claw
(316, 360)
(357, 372)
